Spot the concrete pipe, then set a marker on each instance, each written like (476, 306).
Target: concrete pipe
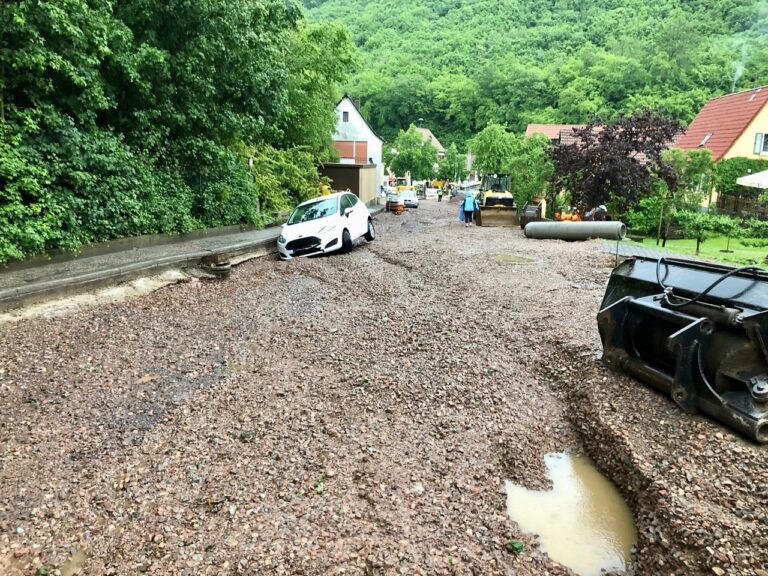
(575, 230)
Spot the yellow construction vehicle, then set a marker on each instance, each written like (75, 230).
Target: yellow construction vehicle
(497, 204)
(401, 184)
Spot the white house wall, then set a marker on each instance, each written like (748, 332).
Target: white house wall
(357, 130)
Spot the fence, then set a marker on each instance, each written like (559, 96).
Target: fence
(742, 207)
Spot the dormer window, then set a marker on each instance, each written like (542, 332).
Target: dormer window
(345, 116)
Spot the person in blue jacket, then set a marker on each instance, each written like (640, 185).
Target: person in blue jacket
(469, 205)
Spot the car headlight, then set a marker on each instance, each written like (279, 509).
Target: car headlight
(281, 239)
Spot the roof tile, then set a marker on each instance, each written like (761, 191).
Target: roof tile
(426, 133)
(724, 119)
(551, 131)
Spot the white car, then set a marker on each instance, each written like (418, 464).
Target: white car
(325, 224)
(410, 199)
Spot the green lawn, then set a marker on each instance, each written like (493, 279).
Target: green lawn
(712, 249)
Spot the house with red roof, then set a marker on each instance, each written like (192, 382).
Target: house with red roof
(734, 125)
(730, 126)
(557, 133)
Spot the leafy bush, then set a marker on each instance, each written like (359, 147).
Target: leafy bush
(644, 219)
(660, 204)
(29, 215)
(754, 242)
(728, 170)
(755, 233)
(120, 119)
(757, 228)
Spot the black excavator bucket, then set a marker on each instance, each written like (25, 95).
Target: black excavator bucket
(696, 331)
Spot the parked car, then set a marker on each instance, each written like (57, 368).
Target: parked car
(325, 224)
(410, 199)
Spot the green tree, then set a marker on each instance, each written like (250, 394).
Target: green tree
(683, 180)
(728, 227)
(698, 225)
(492, 149)
(454, 165)
(456, 100)
(693, 173)
(530, 167)
(50, 58)
(411, 152)
(319, 58)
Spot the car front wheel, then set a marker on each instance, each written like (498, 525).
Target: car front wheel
(346, 241)
(370, 235)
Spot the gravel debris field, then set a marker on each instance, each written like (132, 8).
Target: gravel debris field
(352, 414)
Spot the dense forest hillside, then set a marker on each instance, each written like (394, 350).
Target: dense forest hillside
(460, 64)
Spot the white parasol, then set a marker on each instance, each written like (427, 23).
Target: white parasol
(756, 180)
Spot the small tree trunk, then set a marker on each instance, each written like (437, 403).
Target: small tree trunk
(698, 243)
(661, 217)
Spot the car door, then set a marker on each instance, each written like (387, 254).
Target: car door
(360, 215)
(352, 214)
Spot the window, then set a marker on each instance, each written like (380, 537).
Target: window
(345, 116)
(761, 144)
(313, 211)
(705, 139)
(347, 201)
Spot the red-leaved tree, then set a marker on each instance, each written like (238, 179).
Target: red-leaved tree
(616, 162)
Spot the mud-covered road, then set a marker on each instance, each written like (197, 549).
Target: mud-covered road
(354, 414)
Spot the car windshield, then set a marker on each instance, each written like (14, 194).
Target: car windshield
(313, 211)
(408, 194)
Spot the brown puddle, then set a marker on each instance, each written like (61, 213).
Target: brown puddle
(582, 523)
